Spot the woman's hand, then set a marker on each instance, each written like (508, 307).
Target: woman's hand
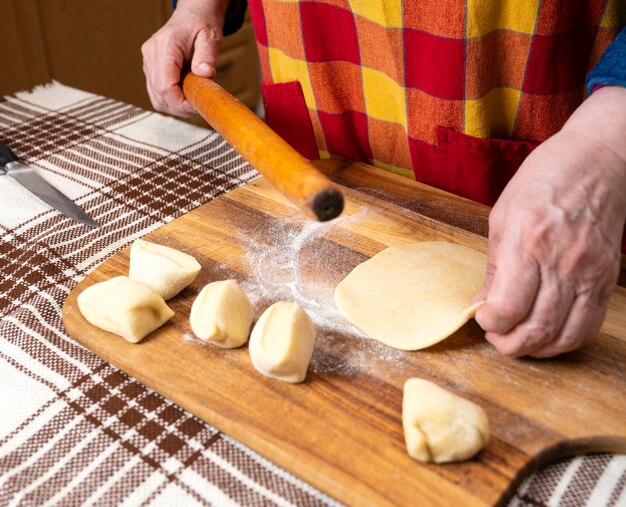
(555, 236)
(193, 34)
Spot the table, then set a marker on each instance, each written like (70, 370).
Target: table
(74, 429)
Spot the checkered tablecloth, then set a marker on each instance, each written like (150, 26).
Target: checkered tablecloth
(73, 429)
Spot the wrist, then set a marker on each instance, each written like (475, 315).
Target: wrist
(602, 117)
(598, 126)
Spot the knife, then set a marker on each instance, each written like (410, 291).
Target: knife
(12, 166)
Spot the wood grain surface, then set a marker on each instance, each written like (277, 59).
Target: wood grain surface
(341, 430)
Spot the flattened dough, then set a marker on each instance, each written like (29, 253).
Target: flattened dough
(282, 342)
(124, 307)
(164, 269)
(222, 314)
(412, 296)
(441, 427)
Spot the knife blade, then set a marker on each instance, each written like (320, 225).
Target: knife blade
(12, 166)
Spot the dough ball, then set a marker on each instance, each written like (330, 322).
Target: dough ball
(439, 426)
(166, 270)
(222, 314)
(124, 307)
(412, 296)
(282, 342)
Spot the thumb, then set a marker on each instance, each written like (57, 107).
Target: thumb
(206, 47)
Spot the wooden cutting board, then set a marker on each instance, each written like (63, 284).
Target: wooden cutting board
(341, 430)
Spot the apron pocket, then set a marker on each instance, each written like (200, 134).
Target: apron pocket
(287, 115)
(476, 168)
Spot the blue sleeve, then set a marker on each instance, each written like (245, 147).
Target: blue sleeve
(611, 69)
(235, 14)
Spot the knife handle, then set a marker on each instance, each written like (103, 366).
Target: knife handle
(285, 169)
(6, 155)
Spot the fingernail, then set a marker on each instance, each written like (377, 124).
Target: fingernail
(204, 67)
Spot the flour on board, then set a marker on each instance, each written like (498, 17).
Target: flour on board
(294, 260)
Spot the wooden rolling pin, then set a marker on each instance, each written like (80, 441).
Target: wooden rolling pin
(288, 171)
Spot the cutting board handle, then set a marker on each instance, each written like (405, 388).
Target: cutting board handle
(288, 171)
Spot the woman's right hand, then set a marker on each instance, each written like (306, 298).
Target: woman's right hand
(193, 34)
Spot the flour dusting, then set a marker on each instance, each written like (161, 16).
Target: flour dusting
(294, 260)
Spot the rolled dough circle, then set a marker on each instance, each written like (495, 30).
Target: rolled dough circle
(415, 295)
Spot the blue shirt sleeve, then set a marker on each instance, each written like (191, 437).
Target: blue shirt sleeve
(611, 69)
(235, 14)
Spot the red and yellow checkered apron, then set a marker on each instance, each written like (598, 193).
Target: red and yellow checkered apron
(454, 93)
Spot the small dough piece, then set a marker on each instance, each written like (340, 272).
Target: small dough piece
(282, 342)
(165, 269)
(439, 426)
(415, 295)
(222, 314)
(124, 307)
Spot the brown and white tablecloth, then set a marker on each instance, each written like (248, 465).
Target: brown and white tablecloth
(73, 429)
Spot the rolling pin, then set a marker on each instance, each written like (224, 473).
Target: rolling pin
(285, 169)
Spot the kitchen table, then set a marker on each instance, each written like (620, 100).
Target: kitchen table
(75, 430)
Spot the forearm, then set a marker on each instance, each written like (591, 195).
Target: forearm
(601, 120)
